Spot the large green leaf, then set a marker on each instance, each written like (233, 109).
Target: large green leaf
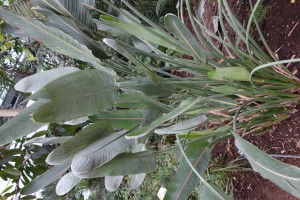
(185, 180)
(230, 73)
(177, 27)
(184, 106)
(45, 179)
(147, 33)
(112, 183)
(101, 151)
(69, 27)
(124, 119)
(65, 152)
(53, 38)
(69, 8)
(283, 175)
(20, 125)
(48, 140)
(75, 95)
(35, 82)
(66, 183)
(183, 126)
(125, 164)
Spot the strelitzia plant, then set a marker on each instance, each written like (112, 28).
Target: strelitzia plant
(233, 93)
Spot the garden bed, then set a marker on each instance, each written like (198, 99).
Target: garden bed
(279, 23)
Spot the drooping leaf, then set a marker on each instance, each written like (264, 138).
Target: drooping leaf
(182, 126)
(112, 183)
(45, 179)
(230, 73)
(48, 140)
(125, 164)
(65, 152)
(66, 183)
(184, 106)
(283, 175)
(75, 95)
(100, 152)
(225, 89)
(20, 125)
(69, 27)
(35, 82)
(175, 26)
(53, 38)
(69, 8)
(124, 119)
(185, 180)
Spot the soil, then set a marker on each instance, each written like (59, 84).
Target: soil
(281, 27)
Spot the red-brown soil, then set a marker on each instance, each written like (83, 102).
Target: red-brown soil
(281, 28)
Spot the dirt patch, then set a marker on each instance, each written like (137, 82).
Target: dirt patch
(281, 27)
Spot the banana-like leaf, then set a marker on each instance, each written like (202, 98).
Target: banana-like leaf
(21, 125)
(147, 33)
(53, 38)
(45, 179)
(23, 8)
(75, 95)
(184, 106)
(206, 193)
(139, 100)
(222, 102)
(177, 27)
(230, 73)
(114, 32)
(112, 183)
(185, 180)
(66, 183)
(35, 82)
(48, 140)
(69, 8)
(124, 119)
(182, 126)
(125, 164)
(100, 152)
(65, 152)
(136, 180)
(69, 27)
(283, 175)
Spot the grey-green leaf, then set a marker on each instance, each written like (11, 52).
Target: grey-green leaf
(66, 183)
(136, 180)
(70, 8)
(283, 175)
(101, 151)
(65, 152)
(48, 140)
(76, 95)
(185, 180)
(125, 164)
(112, 183)
(45, 179)
(177, 27)
(21, 125)
(124, 119)
(207, 193)
(35, 82)
(53, 38)
(182, 126)
(184, 106)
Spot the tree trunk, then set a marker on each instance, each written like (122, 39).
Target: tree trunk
(10, 112)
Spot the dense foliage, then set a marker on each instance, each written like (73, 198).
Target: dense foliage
(129, 92)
